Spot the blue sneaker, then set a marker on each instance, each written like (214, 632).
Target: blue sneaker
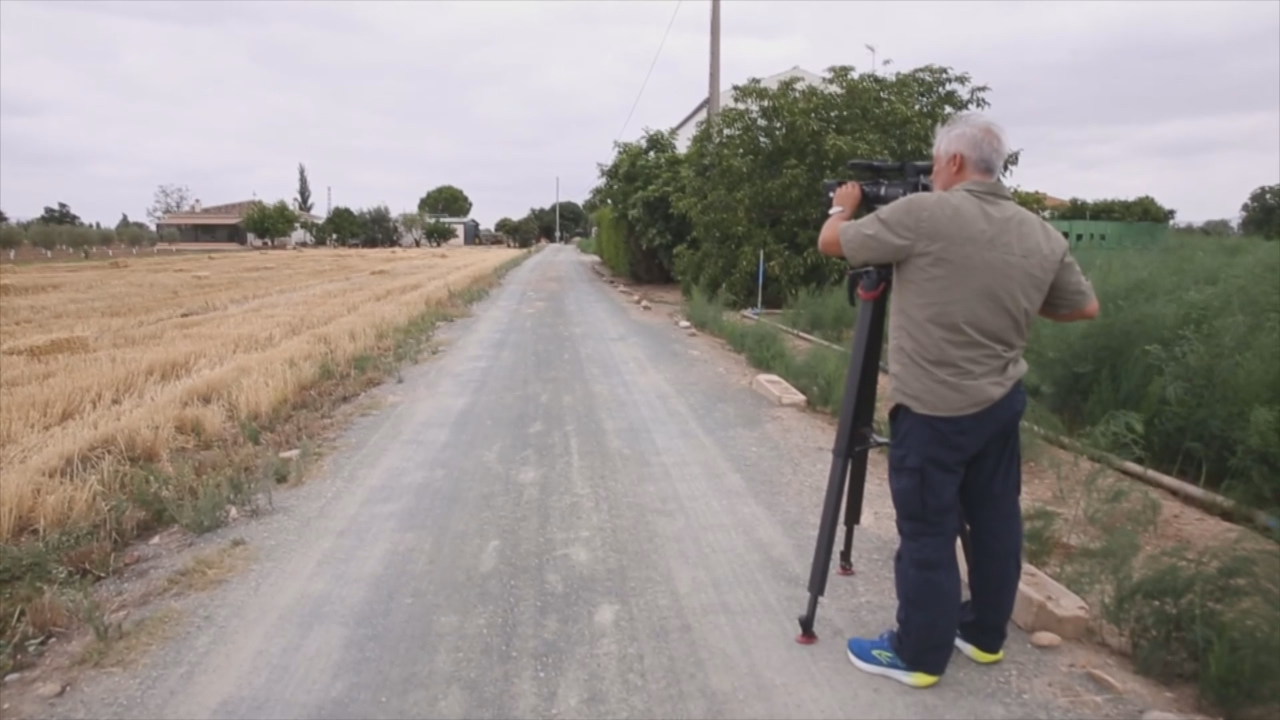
(878, 658)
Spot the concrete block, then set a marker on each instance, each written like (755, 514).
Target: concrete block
(777, 390)
(1042, 603)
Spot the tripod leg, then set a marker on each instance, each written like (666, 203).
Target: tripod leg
(849, 456)
(863, 439)
(853, 508)
(846, 553)
(964, 542)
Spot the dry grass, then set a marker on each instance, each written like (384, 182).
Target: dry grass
(106, 364)
(130, 646)
(211, 568)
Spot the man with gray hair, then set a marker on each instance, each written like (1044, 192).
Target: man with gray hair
(972, 270)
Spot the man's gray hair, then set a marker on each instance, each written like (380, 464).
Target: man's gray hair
(979, 140)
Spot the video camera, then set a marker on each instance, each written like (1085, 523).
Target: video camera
(880, 190)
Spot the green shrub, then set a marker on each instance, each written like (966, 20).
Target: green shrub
(1179, 372)
(1182, 359)
(611, 239)
(825, 314)
(1208, 615)
(1211, 616)
(817, 372)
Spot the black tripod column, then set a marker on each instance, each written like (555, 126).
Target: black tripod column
(854, 437)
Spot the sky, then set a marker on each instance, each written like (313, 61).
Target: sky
(101, 102)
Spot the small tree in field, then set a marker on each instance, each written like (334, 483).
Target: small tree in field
(80, 238)
(378, 227)
(104, 237)
(342, 225)
(321, 233)
(132, 236)
(11, 238)
(412, 225)
(437, 233)
(44, 236)
(132, 240)
(270, 222)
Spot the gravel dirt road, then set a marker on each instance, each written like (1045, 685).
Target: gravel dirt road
(576, 510)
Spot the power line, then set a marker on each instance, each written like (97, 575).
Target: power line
(651, 66)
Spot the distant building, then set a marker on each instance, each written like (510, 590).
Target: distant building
(224, 224)
(465, 230)
(686, 128)
(1111, 233)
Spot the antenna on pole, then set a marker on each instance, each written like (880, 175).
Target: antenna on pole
(713, 90)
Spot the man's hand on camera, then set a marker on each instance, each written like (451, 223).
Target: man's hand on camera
(847, 197)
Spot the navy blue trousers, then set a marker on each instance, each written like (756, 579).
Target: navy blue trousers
(944, 471)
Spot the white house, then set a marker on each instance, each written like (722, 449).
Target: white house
(686, 128)
(223, 223)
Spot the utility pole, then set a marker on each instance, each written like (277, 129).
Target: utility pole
(328, 203)
(872, 48)
(557, 208)
(713, 91)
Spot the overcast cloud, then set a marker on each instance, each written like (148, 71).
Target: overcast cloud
(100, 102)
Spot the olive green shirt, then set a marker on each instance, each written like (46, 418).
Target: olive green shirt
(972, 269)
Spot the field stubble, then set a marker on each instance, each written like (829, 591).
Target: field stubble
(107, 364)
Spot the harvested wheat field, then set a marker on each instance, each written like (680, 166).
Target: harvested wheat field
(136, 359)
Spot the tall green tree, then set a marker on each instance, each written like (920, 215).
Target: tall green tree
(1260, 214)
(508, 229)
(270, 222)
(524, 232)
(304, 190)
(753, 175)
(644, 186)
(445, 200)
(378, 227)
(126, 222)
(1139, 209)
(573, 220)
(506, 226)
(61, 215)
(1033, 201)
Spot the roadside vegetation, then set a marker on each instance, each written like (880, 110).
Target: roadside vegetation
(1178, 374)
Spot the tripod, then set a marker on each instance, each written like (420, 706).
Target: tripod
(855, 437)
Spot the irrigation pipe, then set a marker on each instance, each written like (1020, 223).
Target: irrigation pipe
(1196, 495)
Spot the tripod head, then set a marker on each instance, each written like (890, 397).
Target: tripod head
(868, 283)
